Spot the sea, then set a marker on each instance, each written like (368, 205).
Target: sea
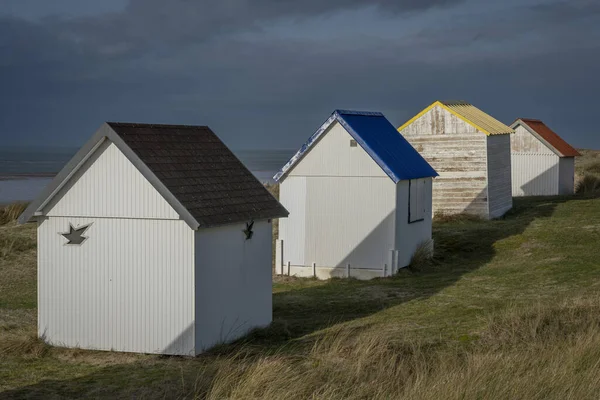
(25, 171)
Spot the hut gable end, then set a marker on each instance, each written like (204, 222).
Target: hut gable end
(438, 121)
(337, 154)
(108, 185)
(524, 142)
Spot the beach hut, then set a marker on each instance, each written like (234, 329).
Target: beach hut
(153, 239)
(359, 198)
(543, 164)
(471, 151)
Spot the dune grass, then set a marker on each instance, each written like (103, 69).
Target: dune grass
(506, 309)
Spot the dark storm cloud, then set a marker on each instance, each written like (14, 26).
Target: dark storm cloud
(189, 62)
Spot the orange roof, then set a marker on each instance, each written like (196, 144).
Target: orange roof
(548, 135)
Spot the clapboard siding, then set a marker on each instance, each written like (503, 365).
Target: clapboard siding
(439, 121)
(469, 180)
(461, 162)
(499, 175)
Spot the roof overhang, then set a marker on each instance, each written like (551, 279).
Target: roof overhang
(36, 207)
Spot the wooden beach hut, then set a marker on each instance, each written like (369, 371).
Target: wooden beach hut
(471, 152)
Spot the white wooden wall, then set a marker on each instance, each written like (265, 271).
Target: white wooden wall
(233, 282)
(409, 236)
(108, 185)
(535, 174)
(333, 156)
(499, 175)
(129, 287)
(566, 175)
(535, 167)
(342, 210)
(458, 152)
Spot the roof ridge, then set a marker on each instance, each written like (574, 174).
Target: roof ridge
(356, 112)
(150, 125)
(530, 119)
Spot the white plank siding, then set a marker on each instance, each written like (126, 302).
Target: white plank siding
(109, 185)
(535, 174)
(499, 175)
(129, 287)
(350, 220)
(410, 235)
(347, 215)
(535, 167)
(233, 282)
(292, 229)
(567, 175)
(333, 156)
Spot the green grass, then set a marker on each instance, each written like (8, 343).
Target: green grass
(506, 309)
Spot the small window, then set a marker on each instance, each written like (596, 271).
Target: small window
(416, 200)
(353, 143)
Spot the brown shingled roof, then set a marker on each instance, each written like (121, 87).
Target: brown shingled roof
(564, 148)
(201, 172)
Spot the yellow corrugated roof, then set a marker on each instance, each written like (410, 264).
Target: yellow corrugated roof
(470, 114)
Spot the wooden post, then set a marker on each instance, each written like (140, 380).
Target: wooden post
(347, 270)
(315, 270)
(289, 269)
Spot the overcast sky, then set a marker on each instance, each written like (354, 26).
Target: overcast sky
(267, 73)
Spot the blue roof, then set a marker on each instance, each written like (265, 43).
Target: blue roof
(378, 137)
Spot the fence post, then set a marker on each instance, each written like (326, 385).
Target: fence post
(384, 270)
(315, 270)
(279, 255)
(347, 270)
(289, 269)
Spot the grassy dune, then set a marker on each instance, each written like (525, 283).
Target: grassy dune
(506, 309)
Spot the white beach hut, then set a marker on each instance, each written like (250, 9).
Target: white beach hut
(543, 164)
(359, 198)
(153, 239)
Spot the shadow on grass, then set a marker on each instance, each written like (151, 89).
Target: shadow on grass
(462, 246)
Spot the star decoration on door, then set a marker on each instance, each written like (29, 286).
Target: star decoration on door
(75, 235)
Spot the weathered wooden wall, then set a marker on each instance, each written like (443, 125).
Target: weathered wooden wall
(458, 152)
